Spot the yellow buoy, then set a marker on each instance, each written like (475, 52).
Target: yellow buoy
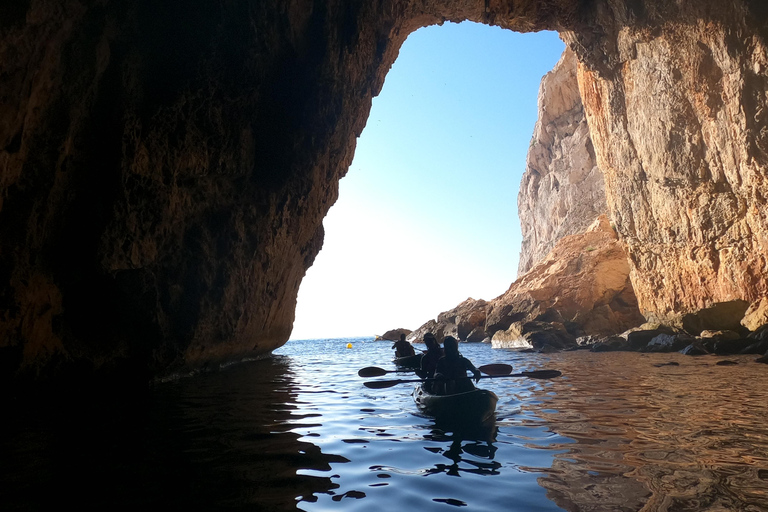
(349, 345)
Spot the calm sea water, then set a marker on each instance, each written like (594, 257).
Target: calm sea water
(300, 432)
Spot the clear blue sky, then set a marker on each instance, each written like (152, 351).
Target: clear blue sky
(427, 214)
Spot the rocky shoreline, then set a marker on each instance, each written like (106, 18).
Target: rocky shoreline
(576, 289)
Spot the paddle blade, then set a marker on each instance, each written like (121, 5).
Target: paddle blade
(541, 374)
(496, 369)
(372, 371)
(381, 384)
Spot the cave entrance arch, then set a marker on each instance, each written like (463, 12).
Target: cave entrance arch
(427, 213)
(193, 150)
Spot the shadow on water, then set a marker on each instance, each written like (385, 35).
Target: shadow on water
(221, 440)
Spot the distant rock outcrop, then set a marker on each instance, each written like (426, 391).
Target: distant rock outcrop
(562, 191)
(394, 334)
(582, 285)
(465, 322)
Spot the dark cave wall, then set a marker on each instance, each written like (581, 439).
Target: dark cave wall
(164, 168)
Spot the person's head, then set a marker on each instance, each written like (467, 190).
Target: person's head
(429, 340)
(451, 345)
(402, 337)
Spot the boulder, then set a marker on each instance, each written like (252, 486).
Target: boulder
(637, 340)
(722, 316)
(582, 283)
(394, 334)
(611, 344)
(695, 349)
(465, 322)
(756, 315)
(668, 343)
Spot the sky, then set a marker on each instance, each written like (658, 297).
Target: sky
(427, 213)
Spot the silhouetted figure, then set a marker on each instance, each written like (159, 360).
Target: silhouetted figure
(451, 370)
(429, 360)
(403, 348)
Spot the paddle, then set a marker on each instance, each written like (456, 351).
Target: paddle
(535, 374)
(489, 369)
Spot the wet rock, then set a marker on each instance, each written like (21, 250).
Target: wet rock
(540, 335)
(729, 346)
(535, 335)
(612, 344)
(638, 340)
(760, 334)
(763, 359)
(667, 343)
(696, 348)
(758, 347)
(477, 335)
(726, 362)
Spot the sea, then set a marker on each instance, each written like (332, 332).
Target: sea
(299, 431)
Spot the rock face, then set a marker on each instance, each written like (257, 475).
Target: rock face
(465, 322)
(581, 288)
(677, 112)
(562, 190)
(165, 166)
(394, 334)
(582, 285)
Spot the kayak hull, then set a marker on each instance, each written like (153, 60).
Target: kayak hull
(475, 405)
(413, 362)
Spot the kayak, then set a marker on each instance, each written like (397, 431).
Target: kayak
(413, 361)
(476, 405)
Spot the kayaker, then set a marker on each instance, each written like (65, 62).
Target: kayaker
(451, 370)
(430, 359)
(403, 348)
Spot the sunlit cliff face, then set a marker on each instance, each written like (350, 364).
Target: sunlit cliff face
(165, 169)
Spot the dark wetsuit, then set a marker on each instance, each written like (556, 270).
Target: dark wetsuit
(429, 364)
(454, 372)
(403, 349)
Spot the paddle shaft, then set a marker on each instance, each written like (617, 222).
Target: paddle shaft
(494, 369)
(536, 374)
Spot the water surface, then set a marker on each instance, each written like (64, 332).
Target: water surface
(300, 432)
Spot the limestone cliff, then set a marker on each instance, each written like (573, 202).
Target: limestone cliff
(676, 106)
(583, 285)
(165, 166)
(562, 191)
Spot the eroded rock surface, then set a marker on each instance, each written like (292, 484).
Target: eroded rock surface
(562, 190)
(677, 113)
(583, 284)
(465, 322)
(165, 167)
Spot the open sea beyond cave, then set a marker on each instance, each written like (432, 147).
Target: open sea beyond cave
(300, 431)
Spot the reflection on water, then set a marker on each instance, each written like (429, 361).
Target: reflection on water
(300, 431)
(221, 440)
(688, 437)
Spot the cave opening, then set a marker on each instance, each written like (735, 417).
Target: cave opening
(427, 213)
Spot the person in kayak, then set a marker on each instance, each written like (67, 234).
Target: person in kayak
(451, 370)
(403, 348)
(430, 359)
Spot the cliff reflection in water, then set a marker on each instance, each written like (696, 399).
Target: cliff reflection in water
(645, 437)
(214, 441)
